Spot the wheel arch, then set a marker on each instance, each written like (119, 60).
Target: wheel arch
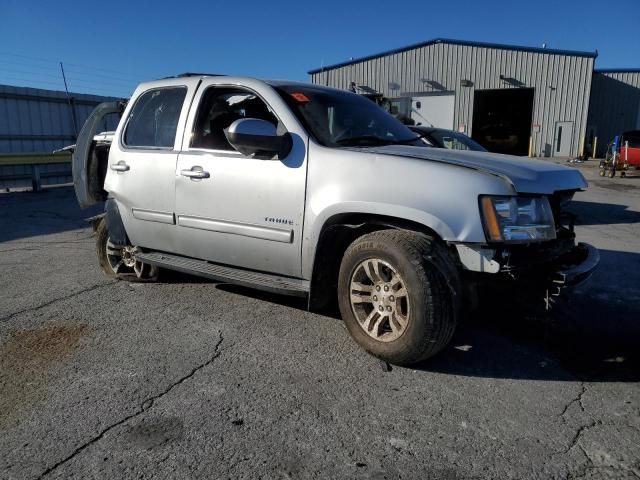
(335, 236)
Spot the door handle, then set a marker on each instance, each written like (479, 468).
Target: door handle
(195, 172)
(121, 166)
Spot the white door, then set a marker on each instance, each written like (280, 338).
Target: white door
(433, 110)
(563, 139)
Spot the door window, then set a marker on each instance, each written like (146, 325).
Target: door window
(219, 108)
(559, 138)
(153, 121)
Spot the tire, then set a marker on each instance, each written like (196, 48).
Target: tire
(137, 272)
(602, 172)
(612, 173)
(421, 318)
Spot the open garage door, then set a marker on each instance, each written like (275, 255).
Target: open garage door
(502, 119)
(433, 110)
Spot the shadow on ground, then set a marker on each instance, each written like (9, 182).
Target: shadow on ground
(595, 213)
(591, 334)
(31, 214)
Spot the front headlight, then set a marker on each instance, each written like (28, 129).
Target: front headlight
(517, 219)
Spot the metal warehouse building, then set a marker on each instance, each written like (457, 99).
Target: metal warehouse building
(34, 120)
(615, 104)
(34, 123)
(500, 95)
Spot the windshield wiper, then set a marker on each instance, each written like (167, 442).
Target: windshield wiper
(374, 140)
(410, 140)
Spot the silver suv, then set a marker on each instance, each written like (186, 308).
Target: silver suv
(311, 191)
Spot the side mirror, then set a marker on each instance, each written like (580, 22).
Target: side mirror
(255, 137)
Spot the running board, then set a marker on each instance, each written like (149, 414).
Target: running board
(261, 281)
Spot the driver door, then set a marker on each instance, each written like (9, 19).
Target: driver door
(235, 209)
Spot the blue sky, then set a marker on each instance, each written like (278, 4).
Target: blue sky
(109, 46)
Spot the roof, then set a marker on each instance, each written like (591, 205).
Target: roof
(617, 70)
(458, 42)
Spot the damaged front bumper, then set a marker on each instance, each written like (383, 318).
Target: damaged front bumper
(533, 272)
(572, 269)
(576, 266)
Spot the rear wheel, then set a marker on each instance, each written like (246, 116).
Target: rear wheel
(394, 297)
(120, 262)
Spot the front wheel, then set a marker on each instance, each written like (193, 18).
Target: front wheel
(394, 297)
(120, 262)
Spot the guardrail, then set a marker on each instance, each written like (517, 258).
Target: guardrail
(19, 170)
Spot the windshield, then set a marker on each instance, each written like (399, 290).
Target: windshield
(455, 141)
(339, 119)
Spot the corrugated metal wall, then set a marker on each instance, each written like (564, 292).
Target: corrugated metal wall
(34, 120)
(562, 82)
(615, 104)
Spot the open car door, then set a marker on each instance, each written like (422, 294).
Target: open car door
(89, 161)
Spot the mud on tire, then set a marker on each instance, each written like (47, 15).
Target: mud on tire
(413, 313)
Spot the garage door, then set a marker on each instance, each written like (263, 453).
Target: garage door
(433, 110)
(502, 119)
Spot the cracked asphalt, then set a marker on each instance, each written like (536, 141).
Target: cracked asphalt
(191, 379)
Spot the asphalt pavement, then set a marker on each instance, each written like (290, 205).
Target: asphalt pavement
(192, 379)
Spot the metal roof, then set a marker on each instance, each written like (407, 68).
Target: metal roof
(459, 42)
(616, 70)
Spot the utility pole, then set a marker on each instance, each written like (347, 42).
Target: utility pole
(70, 102)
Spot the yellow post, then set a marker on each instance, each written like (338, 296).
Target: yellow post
(595, 144)
(530, 146)
(581, 146)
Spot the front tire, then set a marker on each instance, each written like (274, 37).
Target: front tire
(394, 296)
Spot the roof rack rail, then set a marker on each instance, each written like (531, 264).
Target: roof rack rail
(193, 74)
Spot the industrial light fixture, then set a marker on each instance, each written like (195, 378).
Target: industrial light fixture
(466, 83)
(514, 82)
(433, 84)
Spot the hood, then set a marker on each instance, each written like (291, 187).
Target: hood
(525, 174)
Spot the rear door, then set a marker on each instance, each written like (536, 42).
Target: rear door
(86, 179)
(244, 211)
(142, 161)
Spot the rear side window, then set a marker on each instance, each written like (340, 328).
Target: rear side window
(153, 121)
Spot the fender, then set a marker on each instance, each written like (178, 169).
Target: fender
(427, 220)
(117, 232)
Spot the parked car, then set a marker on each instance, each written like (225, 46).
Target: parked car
(311, 191)
(443, 138)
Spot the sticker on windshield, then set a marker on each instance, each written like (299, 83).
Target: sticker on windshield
(300, 97)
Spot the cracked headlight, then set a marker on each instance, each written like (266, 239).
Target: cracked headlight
(517, 219)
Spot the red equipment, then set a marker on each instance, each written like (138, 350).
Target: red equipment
(630, 149)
